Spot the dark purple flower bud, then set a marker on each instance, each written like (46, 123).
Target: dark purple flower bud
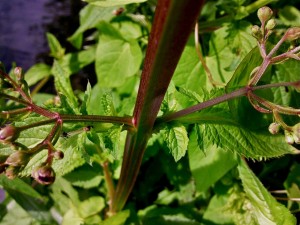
(18, 158)
(44, 175)
(9, 134)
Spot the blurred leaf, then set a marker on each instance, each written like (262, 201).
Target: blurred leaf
(73, 62)
(189, 73)
(91, 206)
(90, 16)
(227, 48)
(176, 137)
(56, 50)
(17, 215)
(85, 177)
(118, 219)
(289, 15)
(36, 73)
(108, 3)
(264, 207)
(29, 199)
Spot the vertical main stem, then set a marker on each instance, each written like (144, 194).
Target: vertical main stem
(173, 23)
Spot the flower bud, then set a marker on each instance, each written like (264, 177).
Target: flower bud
(274, 128)
(11, 172)
(44, 175)
(292, 33)
(296, 133)
(264, 14)
(58, 155)
(9, 134)
(256, 32)
(18, 158)
(270, 24)
(18, 73)
(289, 137)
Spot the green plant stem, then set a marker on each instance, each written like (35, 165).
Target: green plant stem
(173, 23)
(97, 119)
(109, 183)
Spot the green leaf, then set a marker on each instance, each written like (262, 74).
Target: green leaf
(108, 3)
(73, 62)
(107, 104)
(36, 73)
(118, 219)
(177, 140)
(189, 73)
(116, 61)
(63, 85)
(252, 144)
(215, 160)
(228, 46)
(85, 177)
(90, 16)
(240, 107)
(264, 207)
(56, 50)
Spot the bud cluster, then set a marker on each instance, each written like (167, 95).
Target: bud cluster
(267, 24)
(292, 134)
(17, 161)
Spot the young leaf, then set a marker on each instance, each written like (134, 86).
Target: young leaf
(265, 208)
(73, 62)
(63, 85)
(108, 3)
(116, 60)
(86, 99)
(118, 219)
(90, 16)
(177, 140)
(57, 51)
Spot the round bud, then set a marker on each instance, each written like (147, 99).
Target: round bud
(18, 73)
(256, 32)
(289, 137)
(264, 14)
(44, 175)
(9, 134)
(18, 158)
(270, 24)
(274, 128)
(292, 33)
(58, 155)
(296, 133)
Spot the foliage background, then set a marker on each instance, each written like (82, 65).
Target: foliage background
(205, 182)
